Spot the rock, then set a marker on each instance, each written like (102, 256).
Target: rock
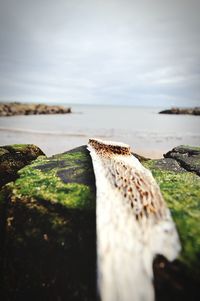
(177, 111)
(140, 158)
(187, 157)
(48, 229)
(13, 158)
(169, 164)
(16, 108)
(180, 185)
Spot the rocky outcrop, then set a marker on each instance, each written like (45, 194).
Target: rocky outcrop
(11, 109)
(13, 158)
(48, 229)
(182, 111)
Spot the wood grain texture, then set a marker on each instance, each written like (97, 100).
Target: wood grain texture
(133, 224)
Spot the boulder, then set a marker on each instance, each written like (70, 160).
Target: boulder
(48, 229)
(187, 157)
(177, 176)
(13, 158)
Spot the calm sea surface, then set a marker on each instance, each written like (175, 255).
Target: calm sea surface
(148, 132)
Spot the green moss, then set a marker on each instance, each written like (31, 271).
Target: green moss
(22, 148)
(48, 241)
(3, 151)
(40, 182)
(181, 191)
(71, 156)
(49, 238)
(19, 147)
(195, 148)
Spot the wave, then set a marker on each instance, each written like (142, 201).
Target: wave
(50, 133)
(39, 132)
(140, 134)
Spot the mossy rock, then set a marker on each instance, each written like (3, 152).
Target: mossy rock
(180, 185)
(48, 230)
(188, 157)
(14, 157)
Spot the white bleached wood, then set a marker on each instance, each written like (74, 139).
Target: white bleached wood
(133, 224)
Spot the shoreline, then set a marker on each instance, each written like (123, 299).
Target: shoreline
(57, 142)
(147, 132)
(64, 142)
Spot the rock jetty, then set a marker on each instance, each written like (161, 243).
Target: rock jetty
(15, 108)
(48, 228)
(182, 111)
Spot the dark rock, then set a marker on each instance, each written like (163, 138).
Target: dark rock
(187, 157)
(169, 164)
(140, 158)
(169, 111)
(177, 111)
(172, 281)
(13, 158)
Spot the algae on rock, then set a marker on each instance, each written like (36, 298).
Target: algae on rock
(49, 230)
(180, 280)
(14, 157)
(181, 192)
(48, 227)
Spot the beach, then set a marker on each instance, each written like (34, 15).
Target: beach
(147, 132)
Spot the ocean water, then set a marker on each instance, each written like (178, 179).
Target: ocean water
(146, 131)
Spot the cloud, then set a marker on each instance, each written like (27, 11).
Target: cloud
(134, 52)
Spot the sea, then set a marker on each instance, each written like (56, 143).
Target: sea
(148, 133)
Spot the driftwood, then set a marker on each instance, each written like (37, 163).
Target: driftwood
(133, 224)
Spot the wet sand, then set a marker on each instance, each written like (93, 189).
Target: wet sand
(52, 144)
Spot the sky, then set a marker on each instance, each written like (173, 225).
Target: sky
(118, 52)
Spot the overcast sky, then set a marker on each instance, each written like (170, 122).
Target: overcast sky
(134, 52)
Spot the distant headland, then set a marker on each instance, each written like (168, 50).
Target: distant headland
(17, 108)
(182, 111)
